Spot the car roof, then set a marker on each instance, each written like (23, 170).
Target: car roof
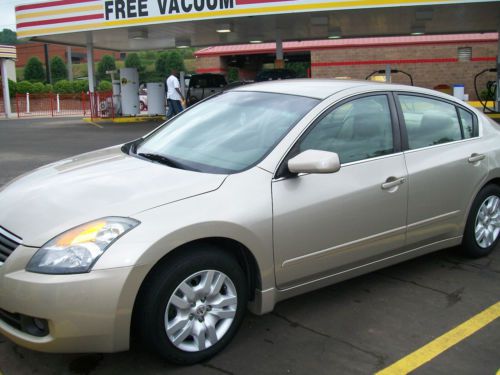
(314, 88)
(323, 88)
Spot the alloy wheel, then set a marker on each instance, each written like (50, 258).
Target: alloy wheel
(487, 227)
(201, 310)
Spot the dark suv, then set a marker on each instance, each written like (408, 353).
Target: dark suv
(275, 74)
(202, 86)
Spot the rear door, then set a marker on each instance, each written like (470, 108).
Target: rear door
(327, 223)
(445, 166)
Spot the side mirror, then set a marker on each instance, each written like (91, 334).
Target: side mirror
(314, 161)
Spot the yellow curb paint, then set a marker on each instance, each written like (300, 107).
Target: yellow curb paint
(122, 119)
(477, 104)
(442, 343)
(89, 121)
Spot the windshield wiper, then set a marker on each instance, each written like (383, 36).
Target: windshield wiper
(163, 160)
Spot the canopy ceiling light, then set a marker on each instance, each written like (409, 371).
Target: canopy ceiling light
(182, 43)
(223, 28)
(137, 34)
(334, 33)
(417, 30)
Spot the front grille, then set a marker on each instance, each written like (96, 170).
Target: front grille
(8, 243)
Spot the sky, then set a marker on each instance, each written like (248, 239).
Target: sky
(8, 15)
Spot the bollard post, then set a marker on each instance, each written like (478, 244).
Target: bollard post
(58, 104)
(27, 102)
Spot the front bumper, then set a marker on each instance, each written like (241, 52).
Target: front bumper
(88, 312)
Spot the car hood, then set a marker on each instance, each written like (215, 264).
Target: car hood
(41, 204)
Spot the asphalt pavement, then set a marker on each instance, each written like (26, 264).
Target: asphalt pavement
(360, 326)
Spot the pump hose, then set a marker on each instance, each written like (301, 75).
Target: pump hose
(489, 88)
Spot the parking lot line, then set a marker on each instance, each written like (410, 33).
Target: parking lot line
(444, 342)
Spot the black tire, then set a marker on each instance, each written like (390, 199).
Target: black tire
(162, 283)
(470, 246)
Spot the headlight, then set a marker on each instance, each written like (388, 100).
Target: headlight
(76, 250)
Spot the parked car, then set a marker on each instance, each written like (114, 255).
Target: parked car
(235, 84)
(275, 74)
(256, 195)
(202, 86)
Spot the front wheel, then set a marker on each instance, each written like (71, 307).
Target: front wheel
(192, 306)
(482, 231)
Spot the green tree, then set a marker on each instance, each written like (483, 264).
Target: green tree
(12, 88)
(58, 69)
(80, 85)
(104, 86)
(8, 36)
(34, 71)
(169, 60)
(107, 63)
(48, 88)
(63, 87)
(24, 86)
(233, 74)
(175, 61)
(133, 61)
(38, 88)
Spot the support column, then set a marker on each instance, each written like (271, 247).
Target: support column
(69, 64)
(90, 62)
(48, 72)
(5, 87)
(388, 78)
(279, 63)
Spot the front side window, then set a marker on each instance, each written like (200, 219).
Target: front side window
(429, 122)
(227, 133)
(357, 130)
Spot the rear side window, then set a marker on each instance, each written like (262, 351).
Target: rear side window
(356, 130)
(429, 122)
(468, 125)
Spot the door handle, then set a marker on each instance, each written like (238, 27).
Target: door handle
(474, 158)
(392, 182)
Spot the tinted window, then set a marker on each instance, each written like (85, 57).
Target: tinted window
(228, 133)
(467, 123)
(429, 122)
(356, 130)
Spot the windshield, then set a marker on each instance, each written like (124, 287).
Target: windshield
(228, 133)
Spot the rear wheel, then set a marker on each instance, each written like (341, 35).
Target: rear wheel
(482, 232)
(192, 306)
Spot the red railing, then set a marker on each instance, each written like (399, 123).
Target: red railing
(95, 105)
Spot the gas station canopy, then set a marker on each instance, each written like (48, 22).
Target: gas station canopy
(127, 25)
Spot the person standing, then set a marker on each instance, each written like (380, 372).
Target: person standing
(174, 94)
